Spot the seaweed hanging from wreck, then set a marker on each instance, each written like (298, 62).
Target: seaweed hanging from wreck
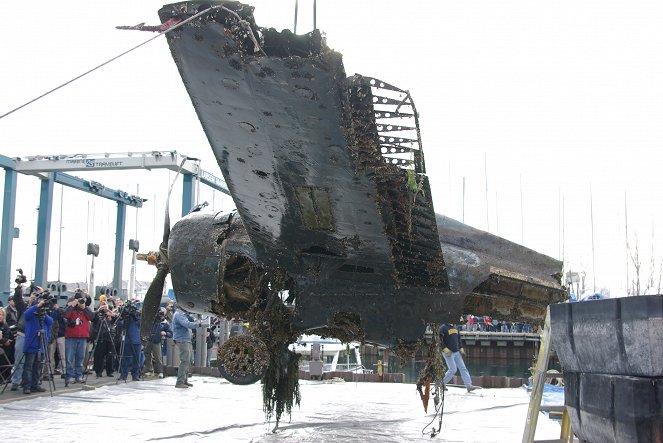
(345, 326)
(433, 371)
(271, 322)
(280, 384)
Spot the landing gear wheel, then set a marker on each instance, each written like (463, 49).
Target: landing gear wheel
(243, 359)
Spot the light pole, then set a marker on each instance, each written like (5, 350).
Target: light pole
(93, 250)
(133, 246)
(60, 241)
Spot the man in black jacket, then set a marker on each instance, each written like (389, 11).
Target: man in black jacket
(6, 348)
(11, 315)
(103, 331)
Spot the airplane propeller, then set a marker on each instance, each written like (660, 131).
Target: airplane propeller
(155, 291)
(152, 298)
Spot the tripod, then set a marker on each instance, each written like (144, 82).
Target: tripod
(104, 324)
(45, 362)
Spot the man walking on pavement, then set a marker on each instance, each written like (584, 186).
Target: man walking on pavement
(453, 356)
(182, 337)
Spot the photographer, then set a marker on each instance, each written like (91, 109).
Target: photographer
(6, 348)
(11, 314)
(38, 326)
(159, 332)
(129, 323)
(19, 340)
(78, 316)
(57, 340)
(103, 331)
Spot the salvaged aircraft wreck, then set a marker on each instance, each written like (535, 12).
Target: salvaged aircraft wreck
(335, 231)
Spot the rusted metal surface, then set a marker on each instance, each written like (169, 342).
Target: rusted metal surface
(326, 185)
(335, 230)
(213, 264)
(502, 279)
(328, 177)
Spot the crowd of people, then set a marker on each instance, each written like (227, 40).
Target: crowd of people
(40, 339)
(486, 323)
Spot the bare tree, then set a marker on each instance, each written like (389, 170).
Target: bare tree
(635, 259)
(652, 282)
(649, 285)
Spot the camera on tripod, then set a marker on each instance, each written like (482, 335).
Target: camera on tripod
(49, 301)
(101, 312)
(128, 310)
(20, 278)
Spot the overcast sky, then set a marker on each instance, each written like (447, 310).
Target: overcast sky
(544, 100)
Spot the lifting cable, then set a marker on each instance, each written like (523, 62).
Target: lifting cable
(165, 31)
(438, 397)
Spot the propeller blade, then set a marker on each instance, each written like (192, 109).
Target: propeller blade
(153, 296)
(166, 229)
(151, 302)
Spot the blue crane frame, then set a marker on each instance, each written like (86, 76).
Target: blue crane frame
(45, 212)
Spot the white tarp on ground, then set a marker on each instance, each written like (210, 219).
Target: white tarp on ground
(219, 411)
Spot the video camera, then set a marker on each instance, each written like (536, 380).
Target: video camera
(47, 296)
(11, 332)
(20, 278)
(49, 301)
(128, 310)
(102, 311)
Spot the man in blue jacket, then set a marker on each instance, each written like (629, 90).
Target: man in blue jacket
(182, 336)
(38, 326)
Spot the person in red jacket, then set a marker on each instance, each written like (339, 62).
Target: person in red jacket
(77, 316)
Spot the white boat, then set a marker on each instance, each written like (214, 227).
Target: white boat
(335, 355)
